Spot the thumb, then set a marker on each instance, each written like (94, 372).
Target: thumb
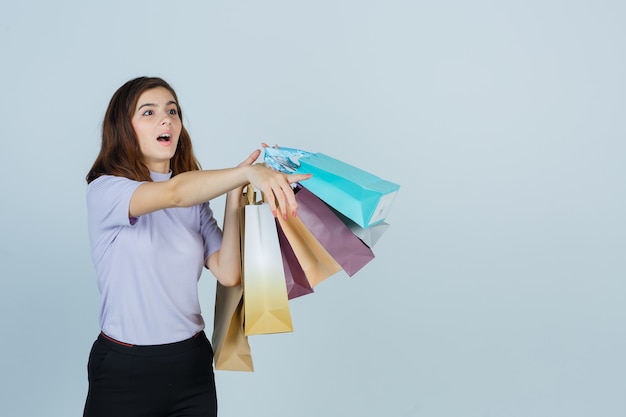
(252, 158)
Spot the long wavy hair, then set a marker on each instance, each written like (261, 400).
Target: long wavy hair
(120, 154)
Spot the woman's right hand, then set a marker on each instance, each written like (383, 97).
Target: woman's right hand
(275, 185)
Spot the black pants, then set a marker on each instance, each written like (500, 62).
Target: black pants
(172, 380)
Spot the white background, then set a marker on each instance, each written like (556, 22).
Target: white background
(499, 289)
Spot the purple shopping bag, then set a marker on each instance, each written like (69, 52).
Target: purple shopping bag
(297, 282)
(336, 237)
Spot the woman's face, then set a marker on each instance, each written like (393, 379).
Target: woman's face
(157, 126)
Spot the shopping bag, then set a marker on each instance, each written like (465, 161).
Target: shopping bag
(266, 305)
(316, 262)
(230, 344)
(343, 245)
(369, 235)
(359, 195)
(297, 282)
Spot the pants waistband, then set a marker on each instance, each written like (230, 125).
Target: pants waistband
(165, 349)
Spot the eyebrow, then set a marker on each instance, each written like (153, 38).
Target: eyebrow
(154, 105)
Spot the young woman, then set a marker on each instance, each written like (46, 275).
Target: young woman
(152, 231)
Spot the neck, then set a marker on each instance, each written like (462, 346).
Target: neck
(160, 167)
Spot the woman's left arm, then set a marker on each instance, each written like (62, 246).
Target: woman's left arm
(225, 264)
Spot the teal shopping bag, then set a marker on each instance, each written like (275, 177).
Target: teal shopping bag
(357, 194)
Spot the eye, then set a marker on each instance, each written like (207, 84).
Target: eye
(172, 112)
(148, 113)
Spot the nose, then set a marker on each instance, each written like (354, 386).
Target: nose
(167, 120)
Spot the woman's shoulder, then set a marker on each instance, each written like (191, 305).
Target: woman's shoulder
(107, 179)
(111, 184)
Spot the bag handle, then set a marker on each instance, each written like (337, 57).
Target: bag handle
(250, 194)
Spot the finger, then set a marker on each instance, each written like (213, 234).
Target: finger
(255, 154)
(275, 197)
(298, 177)
(252, 158)
(278, 197)
(271, 201)
(288, 200)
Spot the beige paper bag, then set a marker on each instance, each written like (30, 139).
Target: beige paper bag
(314, 259)
(230, 344)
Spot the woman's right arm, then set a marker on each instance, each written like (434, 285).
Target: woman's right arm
(196, 187)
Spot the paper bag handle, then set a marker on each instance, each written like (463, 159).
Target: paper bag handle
(250, 194)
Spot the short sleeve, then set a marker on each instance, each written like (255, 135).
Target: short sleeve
(211, 233)
(108, 203)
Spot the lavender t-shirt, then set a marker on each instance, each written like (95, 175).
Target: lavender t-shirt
(148, 267)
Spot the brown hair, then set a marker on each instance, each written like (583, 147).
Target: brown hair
(120, 154)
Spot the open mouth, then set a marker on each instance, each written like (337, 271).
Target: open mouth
(165, 137)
